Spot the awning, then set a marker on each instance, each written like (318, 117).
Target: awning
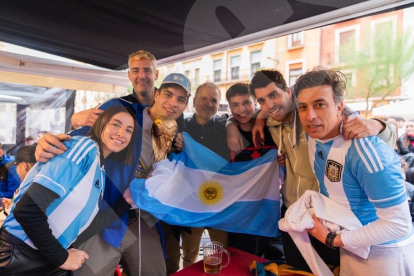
(42, 72)
(403, 109)
(104, 33)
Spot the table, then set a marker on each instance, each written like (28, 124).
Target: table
(239, 265)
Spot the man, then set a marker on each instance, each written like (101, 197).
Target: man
(24, 161)
(142, 73)
(400, 123)
(363, 174)
(9, 179)
(278, 103)
(118, 242)
(209, 130)
(243, 109)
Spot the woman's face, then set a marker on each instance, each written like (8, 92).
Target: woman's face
(409, 128)
(117, 133)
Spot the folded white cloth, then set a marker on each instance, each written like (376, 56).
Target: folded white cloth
(335, 217)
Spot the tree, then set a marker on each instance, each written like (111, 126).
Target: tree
(381, 65)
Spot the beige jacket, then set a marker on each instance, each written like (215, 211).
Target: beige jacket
(291, 138)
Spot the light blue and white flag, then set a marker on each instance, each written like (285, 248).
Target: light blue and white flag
(198, 188)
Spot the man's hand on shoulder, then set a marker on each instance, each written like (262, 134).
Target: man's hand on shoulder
(86, 117)
(49, 146)
(357, 127)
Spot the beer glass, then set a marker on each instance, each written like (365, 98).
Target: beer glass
(212, 255)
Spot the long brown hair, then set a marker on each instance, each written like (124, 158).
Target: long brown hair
(405, 139)
(127, 154)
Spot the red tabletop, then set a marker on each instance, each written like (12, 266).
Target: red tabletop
(239, 265)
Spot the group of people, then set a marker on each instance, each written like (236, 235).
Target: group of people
(72, 213)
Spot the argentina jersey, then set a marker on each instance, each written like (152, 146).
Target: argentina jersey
(362, 174)
(77, 178)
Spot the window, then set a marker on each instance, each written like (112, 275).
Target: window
(217, 70)
(346, 43)
(235, 67)
(197, 76)
(295, 71)
(8, 113)
(349, 80)
(187, 74)
(255, 58)
(294, 74)
(295, 40)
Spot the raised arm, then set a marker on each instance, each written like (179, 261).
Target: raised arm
(258, 130)
(357, 127)
(49, 146)
(86, 117)
(234, 137)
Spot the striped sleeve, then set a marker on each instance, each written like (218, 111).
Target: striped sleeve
(378, 170)
(63, 171)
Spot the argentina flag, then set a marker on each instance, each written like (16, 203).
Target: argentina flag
(198, 188)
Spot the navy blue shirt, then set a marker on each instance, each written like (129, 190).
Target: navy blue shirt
(211, 135)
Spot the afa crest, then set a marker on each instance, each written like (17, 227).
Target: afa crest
(333, 171)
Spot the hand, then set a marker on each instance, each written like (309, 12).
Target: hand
(234, 138)
(357, 127)
(258, 132)
(319, 231)
(6, 202)
(281, 160)
(49, 146)
(179, 143)
(128, 197)
(75, 259)
(86, 117)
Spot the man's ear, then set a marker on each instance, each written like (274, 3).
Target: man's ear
(340, 108)
(156, 94)
(156, 74)
(289, 92)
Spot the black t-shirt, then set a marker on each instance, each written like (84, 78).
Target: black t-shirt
(211, 135)
(250, 152)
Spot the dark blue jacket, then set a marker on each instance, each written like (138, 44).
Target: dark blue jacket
(9, 179)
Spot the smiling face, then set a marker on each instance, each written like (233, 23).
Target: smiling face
(206, 104)
(275, 102)
(117, 133)
(320, 116)
(142, 75)
(170, 101)
(242, 108)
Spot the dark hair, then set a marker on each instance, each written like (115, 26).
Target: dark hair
(405, 139)
(172, 85)
(26, 154)
(264, 77)
(237, 89)
(398, 119)
(404, 164)
(127, 154)
(320, 76)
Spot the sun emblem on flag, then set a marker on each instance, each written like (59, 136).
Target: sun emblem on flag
(210, 192)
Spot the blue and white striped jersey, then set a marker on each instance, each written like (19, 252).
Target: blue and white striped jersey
(77, 178)
(362, 174)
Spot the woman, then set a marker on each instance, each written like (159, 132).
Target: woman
(406, 141)
(59, 199)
